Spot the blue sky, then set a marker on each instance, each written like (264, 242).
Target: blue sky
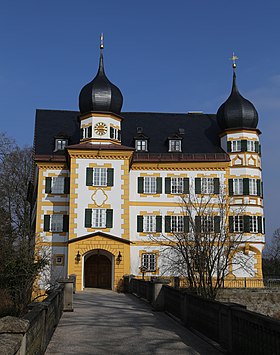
(166, 56)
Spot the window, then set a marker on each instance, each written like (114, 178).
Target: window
(58, 260)
(56, 223)
(254, 224)
(236, 146)
(141, 145)
(149, 224)
(177, 224)
(207, 224)
(207, 185)
(98, 218)
(149, 261)
(177, 185)
(150, 185)
(60, 143)
(251, 146)
(175, 145)
(238, 186)
(99, 176)
(114, 133)
(238, 224)
(253, 189)
(86, 132)
(57, 185)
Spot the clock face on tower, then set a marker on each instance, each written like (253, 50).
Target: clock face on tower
(100, 128)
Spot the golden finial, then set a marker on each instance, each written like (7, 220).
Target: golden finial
(234, 58)
(101, 41)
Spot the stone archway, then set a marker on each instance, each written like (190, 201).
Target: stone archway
(98, 271)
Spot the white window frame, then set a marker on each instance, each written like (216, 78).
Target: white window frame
(175, 145)
(149, 224)
(207, 185)
(99, 177)
(253, 224)
(150, 185)
(253, 187)
(251, 146)
(238, 224)
(115, 133)
(236, 145)
(60, 143)
(237, 186)
(57, 186)
(207, 224)
(141, 145)
(149, 261)
(98, 219)
(177, 224)
(177, 185)
(85, 132)
(56, 223)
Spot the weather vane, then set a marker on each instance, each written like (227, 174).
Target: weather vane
(101, 41)
(234, 58)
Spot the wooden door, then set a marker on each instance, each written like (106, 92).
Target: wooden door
(98, 272)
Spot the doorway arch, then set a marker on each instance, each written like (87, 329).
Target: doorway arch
(98, 270)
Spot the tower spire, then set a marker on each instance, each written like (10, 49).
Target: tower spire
(234, 58)
(101, 41)
(101, 63)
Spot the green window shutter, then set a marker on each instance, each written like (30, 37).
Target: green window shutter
(261, 189)
(167, 222)
(119, 135)
(88, 217)
(197, 224)
(158, 223)
(217, 224)
(110, 177)
(109, 218)
(260, 149)
(260, 224)
(81, 133)
(139, 223)
(89, 176)
(246, 220)
(65, 223)
(258, 187)
(216, 185)
(263, 225)
(168, 185)
(186, 224)
(47, 223)
(230, 187)
(256, 146)
(111, 132)
(230, 220)
(229, 146)
(89, 131)
(140, 185)
(159, 185)
(48, 188)
(243, 145)
(198, 185)
(186, 185)
(245, 186)
(66, 185)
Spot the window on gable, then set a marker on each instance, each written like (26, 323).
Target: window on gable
(175, 145)
(149, 261)
(60, 143)
(141, 145)
(236, 146)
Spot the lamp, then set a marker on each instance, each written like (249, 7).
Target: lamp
(119, 258)
(78, 257)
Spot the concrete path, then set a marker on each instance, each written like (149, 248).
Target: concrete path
(106, 322)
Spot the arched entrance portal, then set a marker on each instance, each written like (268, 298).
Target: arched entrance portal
(98, 271)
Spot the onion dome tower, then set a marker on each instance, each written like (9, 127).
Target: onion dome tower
(236, 111)
(100, 95)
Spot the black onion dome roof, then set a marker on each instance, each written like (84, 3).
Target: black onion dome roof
(100, 94)
(236, 111)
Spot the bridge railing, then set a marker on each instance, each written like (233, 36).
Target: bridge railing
(236, 329)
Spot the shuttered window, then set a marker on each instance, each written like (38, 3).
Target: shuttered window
(99, 176)
(207, 224)
(150, 185)
(177, 224)
(149, 224)
(56, 223)
(149, 261)
(254, 224)
(177, 185)
(236, 146)
(98, 218)
(238, 186)
(57, 185)
(238, 223)
(253, 188)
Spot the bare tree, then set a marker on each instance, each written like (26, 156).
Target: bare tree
(271, 256)
(206, 250)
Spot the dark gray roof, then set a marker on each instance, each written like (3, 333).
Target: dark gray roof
(201, 131)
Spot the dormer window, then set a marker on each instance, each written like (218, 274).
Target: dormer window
(141, 145)
(61, 143)
(175, 145)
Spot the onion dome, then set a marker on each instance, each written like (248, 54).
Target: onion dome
(236, 111)
(100, 95)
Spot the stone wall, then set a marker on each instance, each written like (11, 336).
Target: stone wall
(264, 301)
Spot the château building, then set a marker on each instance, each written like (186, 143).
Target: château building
(107, 182)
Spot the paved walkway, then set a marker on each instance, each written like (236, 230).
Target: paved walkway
(106, 322)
